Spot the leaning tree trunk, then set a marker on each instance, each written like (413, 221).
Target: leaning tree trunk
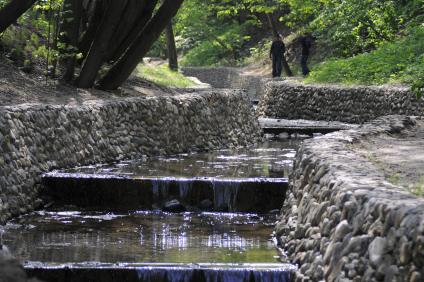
(96, 12)
(141, 22)
(171, 48)
(129, 61)
(71, 26)
(98, 50)
(133, 14)
(12, 11)
(275, 33)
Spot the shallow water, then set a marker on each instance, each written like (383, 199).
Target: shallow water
(271, 159)
(74, 236)
(79, 244)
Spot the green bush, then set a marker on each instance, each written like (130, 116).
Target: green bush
(222, 48)
(401, 61)
(205, 54)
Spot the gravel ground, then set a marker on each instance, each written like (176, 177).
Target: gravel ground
(400, 157)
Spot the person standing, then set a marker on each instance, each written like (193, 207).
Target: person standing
(276, 55)
(306, 43)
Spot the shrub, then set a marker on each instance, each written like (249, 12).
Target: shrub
(401, 61)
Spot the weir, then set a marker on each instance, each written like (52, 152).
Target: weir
(191, 217)
(126, 193)
(244, 180)
(164, 272)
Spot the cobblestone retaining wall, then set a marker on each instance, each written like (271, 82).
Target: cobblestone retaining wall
(291, 100)
(342, 221)
(38, 138)
(225, 77)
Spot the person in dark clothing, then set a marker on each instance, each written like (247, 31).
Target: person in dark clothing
(276, 55)
(306, 43)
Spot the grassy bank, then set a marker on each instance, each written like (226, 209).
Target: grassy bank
(162, 75)
(401, 61)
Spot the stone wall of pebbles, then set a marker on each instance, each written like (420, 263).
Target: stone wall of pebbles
(343, 221)
(226, 77)
(38, 138)
(293, 100)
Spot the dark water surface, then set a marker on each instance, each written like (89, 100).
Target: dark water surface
(155, 237)
(270, 159)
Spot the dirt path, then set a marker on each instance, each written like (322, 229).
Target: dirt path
(400, 157)
(17, 88)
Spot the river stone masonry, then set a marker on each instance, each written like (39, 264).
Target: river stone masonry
(343, 221)
(227, 77)
(294, 100)
(38, 138)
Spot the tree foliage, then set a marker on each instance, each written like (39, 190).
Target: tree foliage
(103, 42)
(89, 37)
(398, 61)
(206, 37)
(346, 27)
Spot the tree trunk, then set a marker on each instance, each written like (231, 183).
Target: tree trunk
(129, 61)
(133, 12)
(71, 27)
(98, 50)
(11, 12)
(172, 49)
(286, 67)
(55, 47)
(275, 33)
(141, 22)
(272, 25)
(95, 13)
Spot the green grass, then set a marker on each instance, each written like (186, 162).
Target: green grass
(417, 188)
(394, 179)
(401, 61)
(162, 75)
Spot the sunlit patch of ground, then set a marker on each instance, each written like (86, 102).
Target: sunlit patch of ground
(399, 157)
(158, 72)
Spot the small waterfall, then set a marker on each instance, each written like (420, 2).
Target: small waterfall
(185, 186)
(225, 194)
(178, 274)
(163, 275)
(160, 188)
(167, 189)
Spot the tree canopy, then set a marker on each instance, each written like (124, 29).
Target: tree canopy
(100, 42)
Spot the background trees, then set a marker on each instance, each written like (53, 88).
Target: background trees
(99, 42)
(225, 31)
(100, 35)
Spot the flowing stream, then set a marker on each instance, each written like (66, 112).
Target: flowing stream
(146, 243)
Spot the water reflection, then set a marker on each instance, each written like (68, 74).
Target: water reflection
(141, 237)
(271, 159)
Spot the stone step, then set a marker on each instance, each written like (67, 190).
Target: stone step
(121, 192)
(268, 272)
(306, 127)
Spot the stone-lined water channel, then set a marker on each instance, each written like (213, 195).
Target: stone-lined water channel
(191, 217)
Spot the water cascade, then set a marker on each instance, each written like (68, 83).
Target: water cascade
(195, 217)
